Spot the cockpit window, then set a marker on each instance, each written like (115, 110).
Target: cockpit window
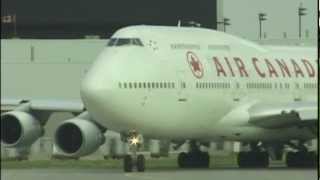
(124, 42)
(112, 42)
(137, 42)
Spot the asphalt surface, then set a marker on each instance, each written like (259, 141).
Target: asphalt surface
(170, 174)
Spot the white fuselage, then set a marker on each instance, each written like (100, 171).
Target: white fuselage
(193, 83)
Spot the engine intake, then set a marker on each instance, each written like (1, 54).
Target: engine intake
(78, 137)
(19, 129)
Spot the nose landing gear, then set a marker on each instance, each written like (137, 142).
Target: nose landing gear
(135, 160)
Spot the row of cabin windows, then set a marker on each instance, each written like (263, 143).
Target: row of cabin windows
(145, 85)
(279, 86)
(310, 85)
(269, 86)
(260, 86)
(212, 85)
(209, 85)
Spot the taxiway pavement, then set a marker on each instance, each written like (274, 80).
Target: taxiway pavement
(170, 174)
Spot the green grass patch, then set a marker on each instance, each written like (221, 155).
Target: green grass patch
(161, 163)
(61, 164)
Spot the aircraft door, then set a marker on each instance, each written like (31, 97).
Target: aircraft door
(181, 86)
(297, 95)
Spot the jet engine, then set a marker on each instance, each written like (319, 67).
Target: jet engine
(19, 129)
(78, 137)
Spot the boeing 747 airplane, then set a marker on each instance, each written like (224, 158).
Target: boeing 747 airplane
(184, 84)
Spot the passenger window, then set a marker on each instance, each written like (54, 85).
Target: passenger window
(149, 85)
(125, 85)
(183, 85)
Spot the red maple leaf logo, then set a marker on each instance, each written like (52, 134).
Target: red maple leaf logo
(195, 65)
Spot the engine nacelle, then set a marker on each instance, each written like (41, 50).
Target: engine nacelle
(78, 137)
(19, 129)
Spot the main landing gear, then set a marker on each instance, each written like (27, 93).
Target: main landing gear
(135, 160)
(258, 158)
(302, 158)
(194, 158)
(255, 158)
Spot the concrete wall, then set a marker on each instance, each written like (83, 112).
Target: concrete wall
(46, 68)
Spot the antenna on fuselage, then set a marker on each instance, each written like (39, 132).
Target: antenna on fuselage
(193, 24)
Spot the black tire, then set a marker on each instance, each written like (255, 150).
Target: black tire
(141, 163)
(127, 163)
(253, 159)
(311, 160)
(291, 160)
(242, 159)
(305, 159)
(182, 158)
(265, 160)
(205, 160)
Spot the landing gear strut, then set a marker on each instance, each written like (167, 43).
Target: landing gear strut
(194, 158)
(302, 158)
(255, 158)
(134, 160)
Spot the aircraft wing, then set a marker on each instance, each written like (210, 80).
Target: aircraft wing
(302, 114)
(49, 105)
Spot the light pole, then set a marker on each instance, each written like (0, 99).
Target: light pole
(262, 17)
(301, 12)
(225, 22)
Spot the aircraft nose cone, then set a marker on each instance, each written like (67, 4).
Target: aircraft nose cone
(95, 85)
(92, 89)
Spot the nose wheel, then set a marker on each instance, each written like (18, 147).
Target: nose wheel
(130, 162)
